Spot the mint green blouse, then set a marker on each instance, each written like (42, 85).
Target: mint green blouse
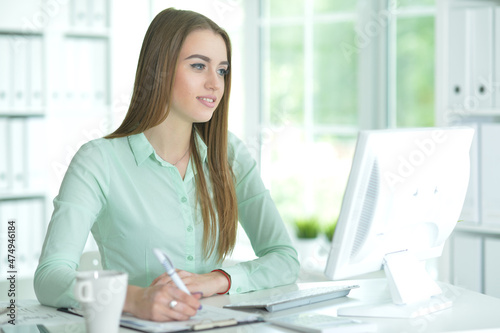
(133, 201)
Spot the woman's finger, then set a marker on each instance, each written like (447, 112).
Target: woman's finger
(162, 279)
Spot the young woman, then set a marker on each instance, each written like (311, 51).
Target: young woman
(170, 177)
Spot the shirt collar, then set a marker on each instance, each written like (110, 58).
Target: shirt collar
(142, 149)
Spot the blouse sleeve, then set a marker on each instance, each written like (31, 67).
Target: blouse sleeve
(277, 262)
(76, 207)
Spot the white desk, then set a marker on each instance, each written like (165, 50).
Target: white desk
(471, 311)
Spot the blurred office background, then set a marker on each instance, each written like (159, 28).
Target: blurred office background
(307, 76)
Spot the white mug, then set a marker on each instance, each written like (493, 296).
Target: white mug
(101, 295)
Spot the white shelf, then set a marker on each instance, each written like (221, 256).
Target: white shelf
(19, 31)
(87, 33)
(20, 195)
(467, 58)
(474, 112)
(490, 230)
(39, 129)
(68, 32)
(22, 113)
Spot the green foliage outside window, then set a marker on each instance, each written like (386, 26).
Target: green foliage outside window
(415, 72)
(307, 166)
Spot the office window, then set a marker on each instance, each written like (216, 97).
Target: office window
(414, 44)
(311, 95)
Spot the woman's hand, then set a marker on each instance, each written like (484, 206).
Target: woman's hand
(161, 303)
(209, 283)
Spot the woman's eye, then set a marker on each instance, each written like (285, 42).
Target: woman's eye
(198, 66)
(223, 71)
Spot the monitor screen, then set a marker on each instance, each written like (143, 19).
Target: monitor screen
(404, 197)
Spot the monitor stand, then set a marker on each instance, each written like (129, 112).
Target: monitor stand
(414, 293)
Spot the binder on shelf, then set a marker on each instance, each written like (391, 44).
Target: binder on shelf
(99, 14)
(4, 154)
(84, 71)
(496, 60)
(79, 13)
(14, 14)
(482, 48)
(36, 154)
(470, 209)
(30, 232)
(99, 72)
(26, 222)
(20, 74)
(491, 267)
(36, 70)
(490, 181)
(18, 147)
(39, 229)
(34, 234)
(466, 256)
(458, 66)
(69, 92)
(5, 72)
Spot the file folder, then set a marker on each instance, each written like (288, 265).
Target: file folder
(490, 184)
(4, 154)
(36, 69)
(98, 14)
(36, 154)
(482, 48)
(20, 73)
(39, 229)
(79, 13)
(496, 60)
(84, 70)
(466, 268)
(6, 74)
(491, 267)
(470, 210)
(17, 158)
(98, 69)
(458, 58)
(68, 97)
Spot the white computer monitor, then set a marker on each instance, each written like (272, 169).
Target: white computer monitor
(403, 199)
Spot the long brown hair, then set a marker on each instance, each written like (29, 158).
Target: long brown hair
(150, 106)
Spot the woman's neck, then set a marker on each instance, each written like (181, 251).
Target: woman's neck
(170, 142)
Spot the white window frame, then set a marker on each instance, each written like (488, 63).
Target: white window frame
(376, 56)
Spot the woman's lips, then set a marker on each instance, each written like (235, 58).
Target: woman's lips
(208, 101)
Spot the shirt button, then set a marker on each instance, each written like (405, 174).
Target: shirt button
(190, 258)
(184, 199)
(238, 290)
(190, 228)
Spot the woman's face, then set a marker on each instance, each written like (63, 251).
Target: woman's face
(199, 79)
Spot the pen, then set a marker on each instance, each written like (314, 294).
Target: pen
(169, 268)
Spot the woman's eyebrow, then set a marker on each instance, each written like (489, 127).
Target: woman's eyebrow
(205, 58)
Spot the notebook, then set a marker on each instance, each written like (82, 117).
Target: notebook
(207, 318)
